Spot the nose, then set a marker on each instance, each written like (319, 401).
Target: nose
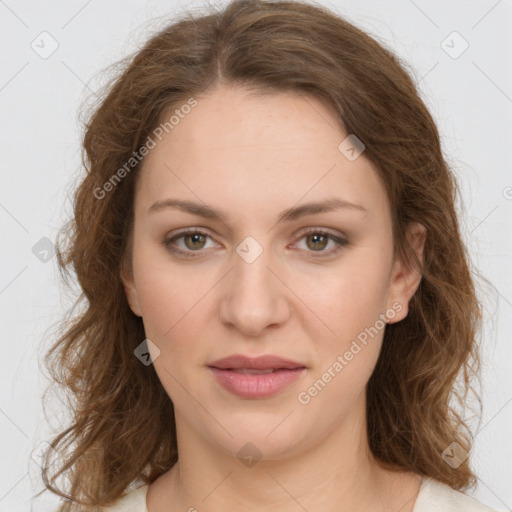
(254, 296)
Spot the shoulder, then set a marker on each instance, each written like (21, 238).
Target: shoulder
(132, 501)
(439, 497)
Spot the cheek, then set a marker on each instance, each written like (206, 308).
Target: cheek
(166, 295)
(176, 304)
(173, 315)
(347, 340)
(349, 297)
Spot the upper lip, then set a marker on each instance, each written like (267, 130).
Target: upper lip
(255, 363)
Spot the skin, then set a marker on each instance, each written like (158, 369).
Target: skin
(253, 157)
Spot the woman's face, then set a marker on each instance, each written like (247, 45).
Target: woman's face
(312, 286)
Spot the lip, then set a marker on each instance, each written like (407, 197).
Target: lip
(228, 374)
(265, 362)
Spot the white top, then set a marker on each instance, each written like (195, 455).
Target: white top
(433, 497)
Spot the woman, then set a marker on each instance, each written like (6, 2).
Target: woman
(279, 305)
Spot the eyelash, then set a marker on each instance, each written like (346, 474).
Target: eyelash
(167, 242)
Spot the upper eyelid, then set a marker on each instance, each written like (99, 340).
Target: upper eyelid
(205, 231)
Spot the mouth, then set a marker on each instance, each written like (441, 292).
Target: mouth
(256, 377)
(250, 383)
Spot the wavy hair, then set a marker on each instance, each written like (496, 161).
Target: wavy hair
(427, 361)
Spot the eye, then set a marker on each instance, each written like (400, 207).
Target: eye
(316, 240)
(194, 240)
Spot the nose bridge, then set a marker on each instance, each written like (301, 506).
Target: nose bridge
(254, 296)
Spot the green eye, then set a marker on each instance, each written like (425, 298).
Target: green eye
(318, 239)
(194, 242)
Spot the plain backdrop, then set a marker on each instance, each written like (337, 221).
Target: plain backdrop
(53, 52)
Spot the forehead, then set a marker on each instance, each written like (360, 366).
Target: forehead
(254, 151)
(248, 121)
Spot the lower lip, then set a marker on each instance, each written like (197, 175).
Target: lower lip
(256, 385)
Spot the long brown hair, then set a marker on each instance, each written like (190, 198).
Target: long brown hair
(123, 429)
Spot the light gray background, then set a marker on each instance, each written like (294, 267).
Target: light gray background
(469, 94)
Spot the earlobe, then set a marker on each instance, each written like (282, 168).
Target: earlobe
(130, 290)
(406, 277)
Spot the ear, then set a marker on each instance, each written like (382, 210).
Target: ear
(130, 290)
(405, 279)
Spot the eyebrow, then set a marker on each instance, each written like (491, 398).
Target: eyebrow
(290, 214)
